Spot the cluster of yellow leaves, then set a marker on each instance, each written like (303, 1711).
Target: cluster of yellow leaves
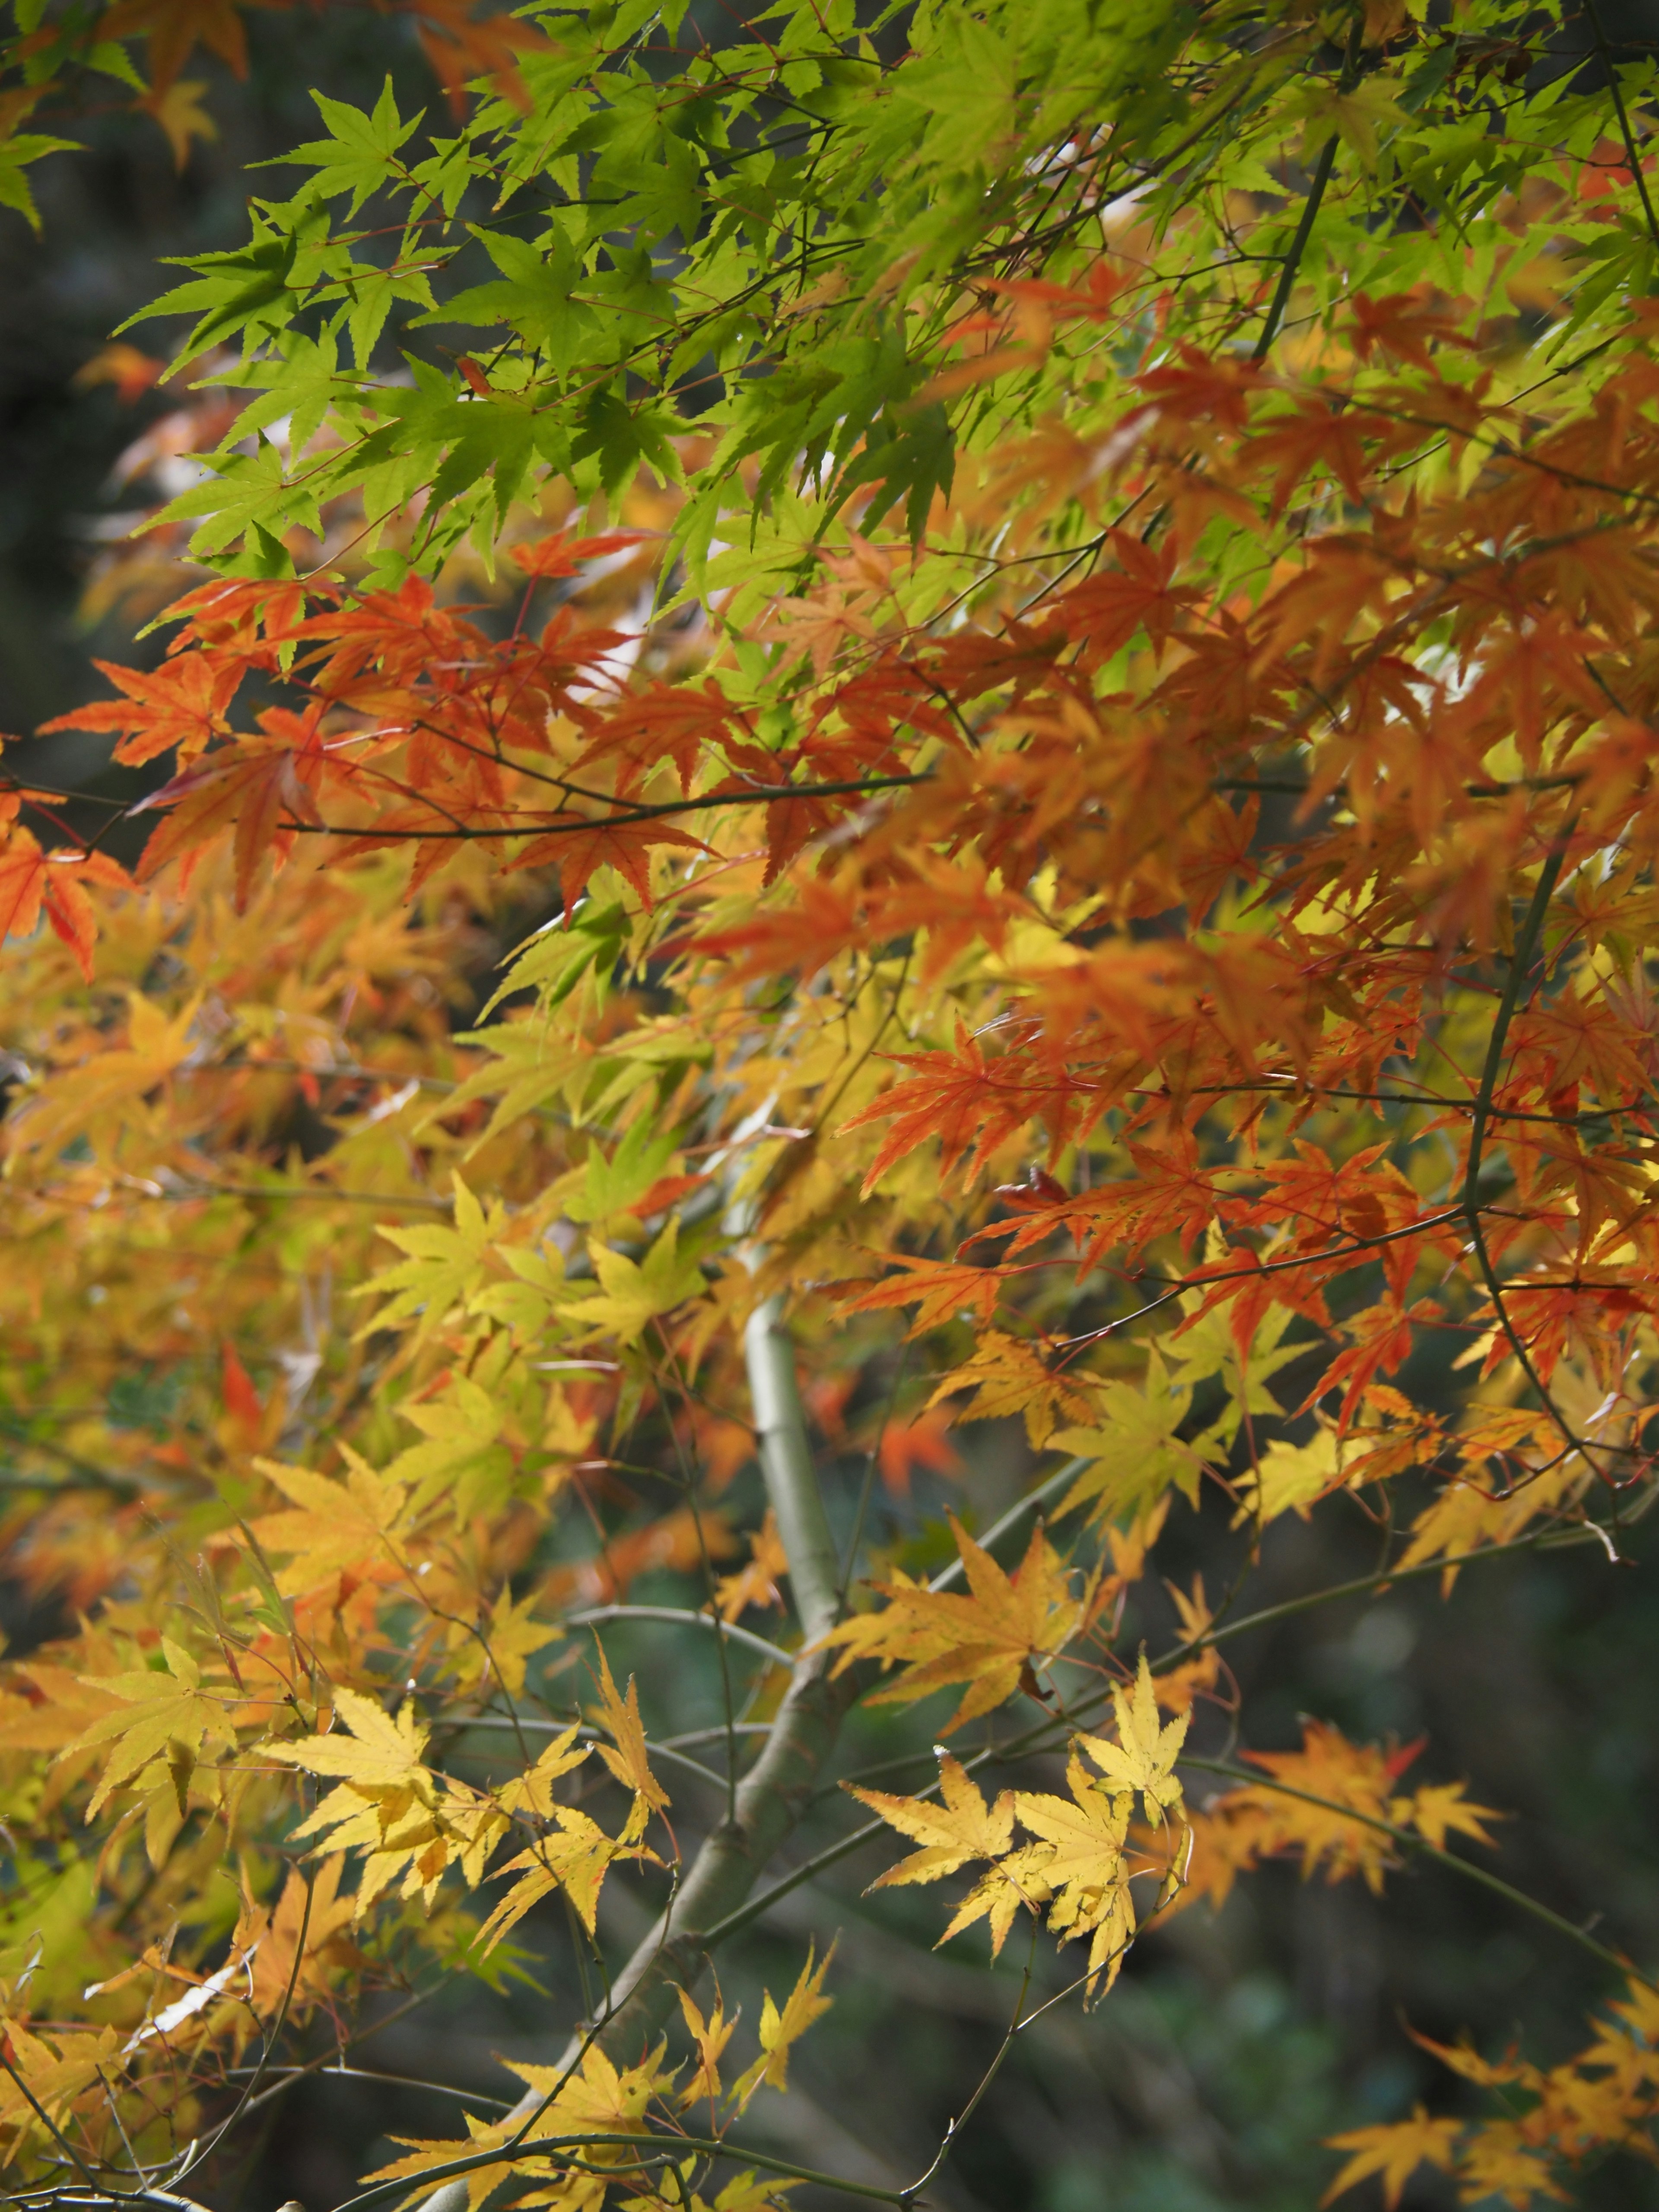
(1078, 1863)
(1604, 2098)
(996, 1638)
(597, 2113)
(388, 1805)
(405, 1820)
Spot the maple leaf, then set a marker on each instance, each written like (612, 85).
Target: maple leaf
(711, 2037)
(261, 795)
(332, 1528)
(183, 705)
(971, 1103)
(389, 1805)
(756, 1581)
(994, 1639)
(1336, 1778)
(582, 845)
(532, 1791)
(80, 1101)
(924, 1442)
(315, 1915)
(165, 1715)
(634, 1293)
(512, 1638)
(443, 1269)
(1441, 1808)
(1290, 1478)
(1085, 1865)
(1134, 1454)
(179, 111)
(941, 1288)
(780, 2030)
(951, 1834)
(174, 27)
(1145, 1754)
(32, 881)
(626, 1758)
(1396, 2150)
(1007, 1376)
(575, 1857)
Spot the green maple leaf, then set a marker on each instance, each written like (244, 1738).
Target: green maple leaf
(359, 154)
(1134, 1452)
(532, 295)
(633, 1293)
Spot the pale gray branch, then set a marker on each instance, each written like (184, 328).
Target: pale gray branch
(778, 1788)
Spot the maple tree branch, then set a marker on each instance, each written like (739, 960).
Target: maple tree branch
(1298, 247)
(1520, 962)
(1544, 1541)
(771, 1798)
(686, 1619)
(575, 825)
(1623, 114)
(792, 1483)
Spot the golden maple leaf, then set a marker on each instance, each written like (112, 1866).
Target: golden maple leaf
(575, 1858)
(779, 2030)
(1144, 1756)
(1085, 1866)
(1008, 1376)
(389, 1805)
(1395, 2151)
(951, 1834)
(994, 1638)
(626, 1760)
(711, 2037)
(332, 1528)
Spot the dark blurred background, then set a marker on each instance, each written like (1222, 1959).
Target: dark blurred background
(1233, 2043)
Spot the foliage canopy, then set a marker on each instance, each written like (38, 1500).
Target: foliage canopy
(1053, 611)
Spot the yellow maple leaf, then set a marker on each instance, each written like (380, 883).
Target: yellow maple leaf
(1085, 1867)
(442, 1268)
(711, 2037)
(1440, 1808)
(574, 1856)
(1394, 2150)
(92, 1098)
(994, 1638)
(511, 1636)
(626, 1760)
(1289, 1479)
(962, 1828)
(533, 1790)
(631, 1292)
(780, 2029)
(179, 111)
(1008, 1377)
(161, 1715)
(1144, 1756)
(1020, 1880)
(598, 2099)
(389, 1805)
(332, 1526)
(45, 2077)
